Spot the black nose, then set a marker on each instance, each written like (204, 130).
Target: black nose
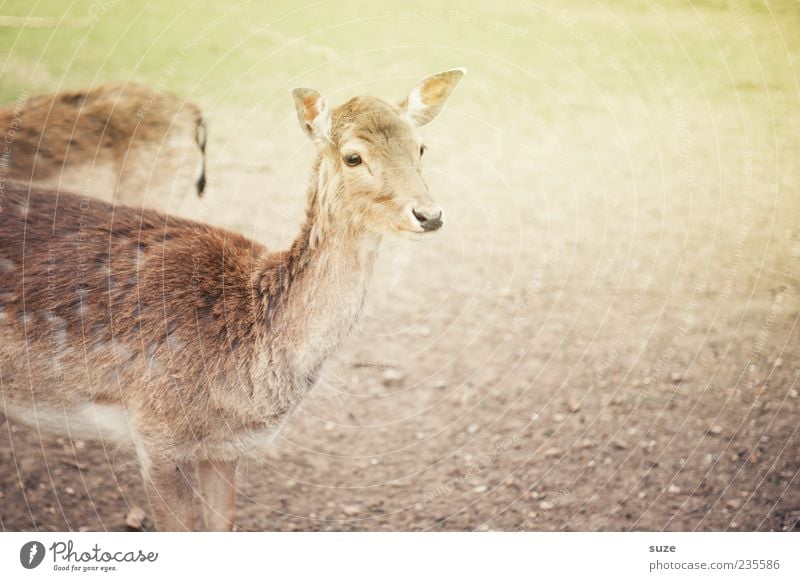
(428, 219)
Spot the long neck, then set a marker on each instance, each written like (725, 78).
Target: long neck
(314, 292)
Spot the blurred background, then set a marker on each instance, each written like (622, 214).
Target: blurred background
(604, 334)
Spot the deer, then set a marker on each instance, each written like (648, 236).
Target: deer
(123, 143)
(191, 344)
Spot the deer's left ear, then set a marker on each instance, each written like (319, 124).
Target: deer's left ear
(427, 99)
(313, 114)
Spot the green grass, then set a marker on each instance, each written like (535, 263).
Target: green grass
(245, 52)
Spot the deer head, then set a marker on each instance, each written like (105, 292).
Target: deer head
(371, 156)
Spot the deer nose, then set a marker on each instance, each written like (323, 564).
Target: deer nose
(429, 219)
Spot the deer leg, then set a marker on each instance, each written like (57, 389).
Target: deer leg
(170, 492)
(217, 483)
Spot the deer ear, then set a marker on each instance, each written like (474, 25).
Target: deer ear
(427, 99)
(313, 114)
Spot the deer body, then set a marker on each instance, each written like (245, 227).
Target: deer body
(190, 343)
(127, 144)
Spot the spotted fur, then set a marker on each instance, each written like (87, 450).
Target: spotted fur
(191, 343)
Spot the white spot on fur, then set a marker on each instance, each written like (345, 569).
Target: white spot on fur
(121, 351)
(58, 328)
(88, 420)
(174, 343)
(139, 259)
(6, 265)
(82, 296)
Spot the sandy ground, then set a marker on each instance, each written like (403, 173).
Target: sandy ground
(603, 336)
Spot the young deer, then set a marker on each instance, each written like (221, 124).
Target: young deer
(190, 342)
(128, 144)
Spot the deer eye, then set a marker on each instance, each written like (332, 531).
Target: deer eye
(422, 149)
(352, 159)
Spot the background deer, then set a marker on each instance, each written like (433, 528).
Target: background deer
(128, 144)
(189, 342)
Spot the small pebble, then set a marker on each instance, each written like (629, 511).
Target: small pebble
(716, 430)
(69, 490)
(673, 489)
(733, 504)
(392, 377)
(559, 417)
(546, 505)
(480, 489)
(351, 509)
(676, 377)
(135, 518)
(620, 444)
(552, 453)
(472, 428)
(574, 405)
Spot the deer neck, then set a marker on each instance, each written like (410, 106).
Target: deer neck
(317, 292)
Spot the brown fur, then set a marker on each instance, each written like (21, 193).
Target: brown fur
(128, 144)
(196, 339)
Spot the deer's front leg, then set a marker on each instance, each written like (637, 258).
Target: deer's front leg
(217, 483)
(169, 491)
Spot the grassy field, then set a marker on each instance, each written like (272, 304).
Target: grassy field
(607, 342)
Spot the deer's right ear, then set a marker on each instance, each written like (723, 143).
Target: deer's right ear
(313, 114)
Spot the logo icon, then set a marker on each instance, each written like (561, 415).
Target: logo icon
(31, 554)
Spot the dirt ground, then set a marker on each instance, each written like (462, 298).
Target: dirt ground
(602, 337)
